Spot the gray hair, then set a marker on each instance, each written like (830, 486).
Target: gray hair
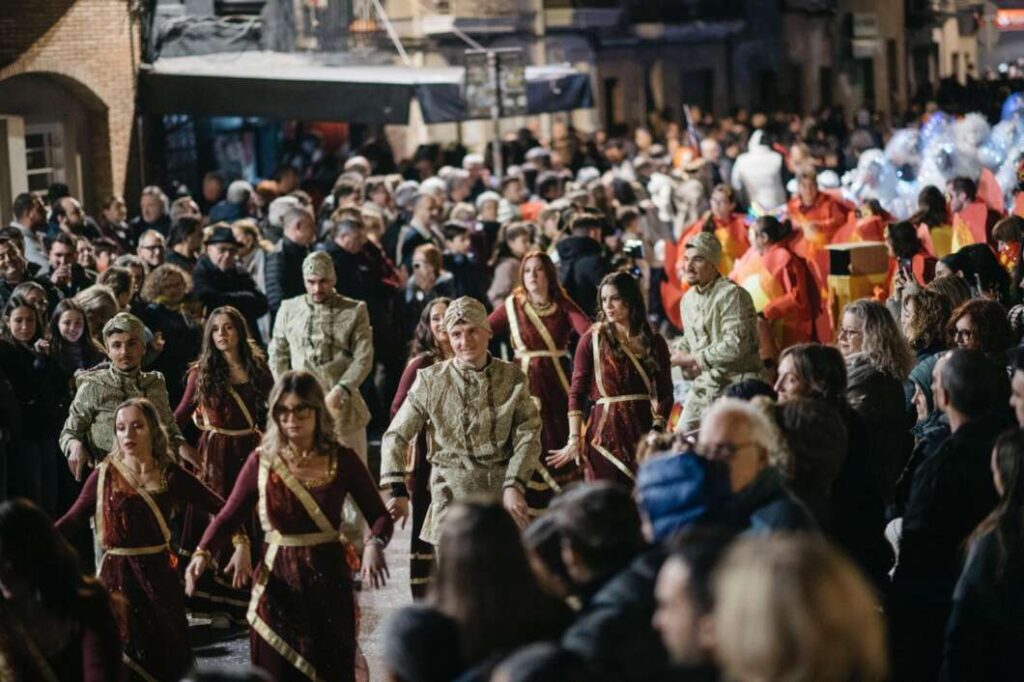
(155, 191)
(762, 431)
(294, 214)
(239, 192)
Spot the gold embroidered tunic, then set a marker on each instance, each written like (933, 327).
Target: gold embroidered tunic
(485, 437)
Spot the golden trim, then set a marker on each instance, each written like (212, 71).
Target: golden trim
(614, 460)
(420, 581)
(421, 557)
(136, 668)
(545, 336)
(633, 397)
(548, 478)
(220, 600)
(146, 497)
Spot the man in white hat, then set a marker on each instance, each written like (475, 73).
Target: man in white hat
(485, 428)
(719, 342)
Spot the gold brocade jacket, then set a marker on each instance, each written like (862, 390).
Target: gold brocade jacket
(332, 340)
(485, 433)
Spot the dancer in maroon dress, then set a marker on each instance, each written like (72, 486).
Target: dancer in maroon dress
(430, 345)
(226, 400)
(622, 369)
(541, 321)
(302, 612)
(55, 624)
(131, 495)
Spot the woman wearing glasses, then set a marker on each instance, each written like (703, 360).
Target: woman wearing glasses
(302, 612)
(226, 400)
(622, 369)
(981, 325)
(541, 320)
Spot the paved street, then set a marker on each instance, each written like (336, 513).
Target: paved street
(233, 652)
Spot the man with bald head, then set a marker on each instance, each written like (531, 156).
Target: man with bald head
(718, 346)
(485, 428)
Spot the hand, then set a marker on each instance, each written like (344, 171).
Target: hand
(515, 504)
(570, 454)
(78, 459)
(61, 275)
(193, 572)
(240, 566)
(42, 347)
(398, 508)
(336, 398)
(375, 568)
(188, 454)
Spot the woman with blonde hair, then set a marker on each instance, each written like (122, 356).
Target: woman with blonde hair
(793, 608)
(298, 480)
(130, 496)
(163, 313)
(100, 305)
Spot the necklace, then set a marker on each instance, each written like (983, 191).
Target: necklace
(543, 308)
(292, 455)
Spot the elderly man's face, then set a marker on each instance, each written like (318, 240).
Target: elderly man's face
(152, 249)
(74, 216)
(697, 269)
(151, 208)
(469, 343)
(727, 437)
(302, 231)
(125, 351)
(319, 288)
(223, 256)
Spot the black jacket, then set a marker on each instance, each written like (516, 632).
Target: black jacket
(284, 273)
(468, 277)
(613, 631)
(768, 505)
(215, 288)
(183, 341)
(581, 266)
(985, 633)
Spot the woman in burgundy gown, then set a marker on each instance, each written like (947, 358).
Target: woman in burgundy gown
(302, 611)
(55, 624)
(622, 369)
(430, 345)
(542, 321)
(226, 400)
(131, 495)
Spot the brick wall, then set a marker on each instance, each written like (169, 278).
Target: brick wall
(87, 46)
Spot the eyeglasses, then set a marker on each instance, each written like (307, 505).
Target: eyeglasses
(721, 451)
(845, 333)
(963, 334)
(299, 412)
(154, 247)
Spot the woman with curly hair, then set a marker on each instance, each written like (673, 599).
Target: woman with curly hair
(541, 321)
(622, 369)
(981, 325)
(430, 345)
(923, 319)
(226, 400)
(164, 294)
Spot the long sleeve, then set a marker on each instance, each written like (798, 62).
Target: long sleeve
(405, 383)
(737, 332)
(279, 357)
(402, 433)
(793, 300)
(582, 372)
(578, 320)
(362, 352)
(84, 508)
(188, 488)
(160, 401)
(274, 278)
(663, 378)
(80, 419)
(360, 485)
(251, 302)
(525, 441)
(498, 320)
(238, 508)
(187, 406)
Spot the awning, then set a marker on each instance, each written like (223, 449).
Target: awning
(309, 86)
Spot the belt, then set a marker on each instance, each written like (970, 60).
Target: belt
(229, 432)
(274, 537)
(136, 551)
(529, 354)
(623, 398)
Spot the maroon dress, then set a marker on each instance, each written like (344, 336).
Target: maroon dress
(421, 553)
(230, 428)
(91, 653)
(302, 611)
(138, 564)
(541, 344)
(623, 395)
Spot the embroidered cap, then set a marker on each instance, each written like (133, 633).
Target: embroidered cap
(466, 310)
(124, 323)
(706, 245)
(318, 264)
